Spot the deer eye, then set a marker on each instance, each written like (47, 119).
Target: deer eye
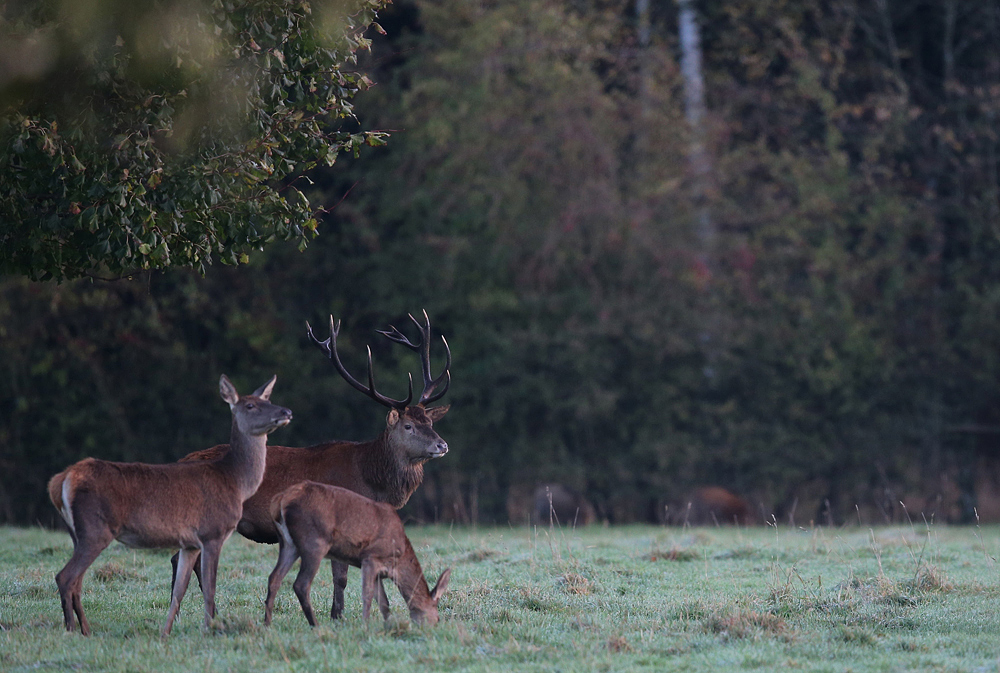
(407, 426)
(250, 405)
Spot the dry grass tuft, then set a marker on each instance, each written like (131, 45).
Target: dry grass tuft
(533, 599)
(619, 644)
(478, 589)
(741, 623)
(481, 554)
(673, 554)
(856, 635)
(875, 590)
(113, 571)
(930, 578)
(576, 584)
(234, 625)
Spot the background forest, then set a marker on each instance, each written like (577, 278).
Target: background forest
(812, 323)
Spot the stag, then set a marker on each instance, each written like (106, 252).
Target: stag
(194, 506)
(386, 469)
(317, 521)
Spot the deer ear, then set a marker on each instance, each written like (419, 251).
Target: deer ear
(441, 586)
(228, 391)
(264, 392)
(435, 413)
(392, 418)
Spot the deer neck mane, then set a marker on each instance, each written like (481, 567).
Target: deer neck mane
(245, 460)
(391, 476)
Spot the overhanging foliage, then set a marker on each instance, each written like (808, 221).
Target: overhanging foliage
(169, 134)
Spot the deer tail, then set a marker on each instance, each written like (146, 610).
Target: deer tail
(61, 497)
(278, 515)
(276, 506)
(55, 489)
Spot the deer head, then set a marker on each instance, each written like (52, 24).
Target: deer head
(413, 431)
(426, 611)
(254, 415)
(408, 428)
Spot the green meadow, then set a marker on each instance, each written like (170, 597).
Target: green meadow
(908, 598)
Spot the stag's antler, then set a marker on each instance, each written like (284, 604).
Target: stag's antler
(424, 348)
(329, 346)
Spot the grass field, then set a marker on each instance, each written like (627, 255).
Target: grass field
(909, 598)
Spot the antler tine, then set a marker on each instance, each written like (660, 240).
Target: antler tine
(395, 335)
(435, 397)
(387, 401)
(427, 397)
(323, 345)
(329, 347)
(425, 344)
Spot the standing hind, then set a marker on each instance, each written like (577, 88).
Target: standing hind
(191, 506)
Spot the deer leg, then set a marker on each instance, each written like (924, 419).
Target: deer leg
(70, 578)
(311, 561)
(209, 572)
(185, 564)
(173, 571)
(339, 584)
(173, 576)
(197, 570)
(383, 600)
(286, 557)
(78, 609)
(369, 580)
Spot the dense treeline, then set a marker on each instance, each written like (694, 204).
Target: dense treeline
(827, 352)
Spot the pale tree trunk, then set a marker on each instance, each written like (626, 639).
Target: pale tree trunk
(694, 111)
(701, 168)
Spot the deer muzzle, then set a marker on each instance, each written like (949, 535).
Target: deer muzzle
(284, 417)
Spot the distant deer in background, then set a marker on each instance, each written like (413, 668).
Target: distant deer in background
(194, 506)
(556, 504)
(714, 505)
(317, 521)
(386, 469)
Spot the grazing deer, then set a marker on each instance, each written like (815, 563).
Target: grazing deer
(194, 506)
(386, 469)
(317, 521)
(715, 505)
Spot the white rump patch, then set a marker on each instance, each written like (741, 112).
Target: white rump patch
(67, 510)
